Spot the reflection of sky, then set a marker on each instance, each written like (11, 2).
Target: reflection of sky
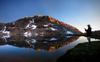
(78, 13)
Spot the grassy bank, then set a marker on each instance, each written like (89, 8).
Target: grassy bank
(83, 52)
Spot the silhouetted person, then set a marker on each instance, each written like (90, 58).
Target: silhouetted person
(88, 33)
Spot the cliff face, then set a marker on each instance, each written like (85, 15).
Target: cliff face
(38, 27)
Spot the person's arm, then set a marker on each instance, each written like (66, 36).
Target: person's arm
(85, 29)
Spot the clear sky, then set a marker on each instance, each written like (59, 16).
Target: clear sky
(77, 13)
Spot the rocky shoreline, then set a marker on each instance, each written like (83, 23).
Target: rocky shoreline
(83, 52)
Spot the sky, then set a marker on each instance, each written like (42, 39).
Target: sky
(78, 13)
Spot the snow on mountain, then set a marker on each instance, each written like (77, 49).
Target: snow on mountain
(37, 26)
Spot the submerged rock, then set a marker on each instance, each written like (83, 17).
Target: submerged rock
(38, 27)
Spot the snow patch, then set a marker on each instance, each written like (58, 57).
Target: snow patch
(27, 34)
(33, 41)
(6, 34)
(69, 32)
(53, 29)
(31, 25)
(45, 25)
(53, 39)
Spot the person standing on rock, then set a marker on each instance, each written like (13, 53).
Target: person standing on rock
(88, 33)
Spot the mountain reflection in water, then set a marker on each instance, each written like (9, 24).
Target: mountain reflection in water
(22, 49)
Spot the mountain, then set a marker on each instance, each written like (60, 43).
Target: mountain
(39, 27)
(40, 20)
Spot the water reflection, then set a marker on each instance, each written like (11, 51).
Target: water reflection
(23, 49)
(48, 44)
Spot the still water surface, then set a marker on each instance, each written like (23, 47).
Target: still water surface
(19, 51)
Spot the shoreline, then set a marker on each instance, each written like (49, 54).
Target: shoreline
(82, 52)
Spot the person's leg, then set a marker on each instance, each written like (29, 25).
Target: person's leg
(89, 40)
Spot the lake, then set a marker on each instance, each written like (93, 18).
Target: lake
(21, 49)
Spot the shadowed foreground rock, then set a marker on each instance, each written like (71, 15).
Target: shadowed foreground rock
(83, 53)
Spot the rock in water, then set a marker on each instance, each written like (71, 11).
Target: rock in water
(38, 27)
